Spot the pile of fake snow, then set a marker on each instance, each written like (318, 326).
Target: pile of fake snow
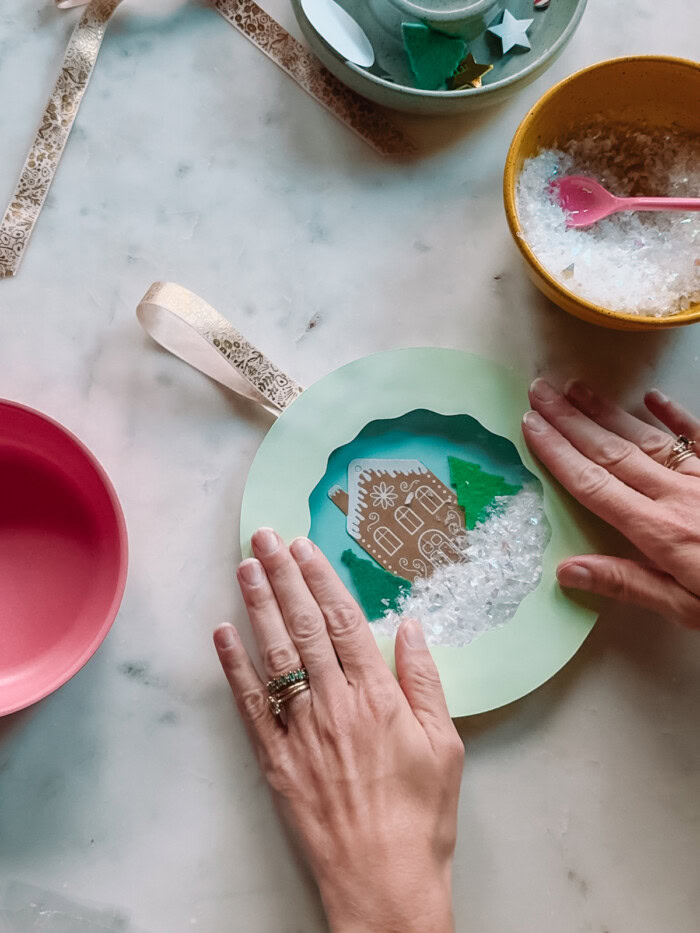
(503, 563)
(639, 262)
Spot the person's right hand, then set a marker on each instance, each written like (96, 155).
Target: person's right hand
(366, 768)
(612, 463)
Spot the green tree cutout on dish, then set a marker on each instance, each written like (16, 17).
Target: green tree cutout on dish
(376, 588)
(477, 489)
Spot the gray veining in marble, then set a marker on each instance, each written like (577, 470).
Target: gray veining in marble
(195, 159)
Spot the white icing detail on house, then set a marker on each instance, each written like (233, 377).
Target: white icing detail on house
(408, 519)
(360, 471)
(436, 547)
(387, 540)
(429, 499)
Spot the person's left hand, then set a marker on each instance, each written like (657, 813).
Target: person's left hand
(367, 769)
(613, 463)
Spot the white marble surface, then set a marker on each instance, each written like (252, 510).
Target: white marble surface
(195, 159)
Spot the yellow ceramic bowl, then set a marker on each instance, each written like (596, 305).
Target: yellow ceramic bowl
(655, 89)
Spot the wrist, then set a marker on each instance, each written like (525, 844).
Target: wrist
(391, 905)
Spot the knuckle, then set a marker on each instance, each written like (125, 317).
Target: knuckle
(657, 446)
(343, 620)
(617, 583)
(425, 678)
(454, 749)
(592, 479)
(615, 450)
(279, 659)
(380, 698)
(253, 704)
(258, 598)
(307, 626)
(278, 770)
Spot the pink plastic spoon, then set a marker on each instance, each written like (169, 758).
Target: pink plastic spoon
(586, 201)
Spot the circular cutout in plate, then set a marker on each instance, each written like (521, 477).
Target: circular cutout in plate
(500, 665)
(63, 556)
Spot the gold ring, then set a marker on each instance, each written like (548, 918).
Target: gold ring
(681, 450)
(277, 700)
(281, 689)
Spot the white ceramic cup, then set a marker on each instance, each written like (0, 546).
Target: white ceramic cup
(466, 18)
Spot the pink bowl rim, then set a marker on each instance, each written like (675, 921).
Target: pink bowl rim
(123, 543)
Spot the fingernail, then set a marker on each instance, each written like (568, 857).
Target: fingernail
(413, 634)
(225, 637)
(660, 397)
(265, 541)
(251, 572)
(301, 549)
(542, 390)
(579, 391)
(575, 576)
(534, 421)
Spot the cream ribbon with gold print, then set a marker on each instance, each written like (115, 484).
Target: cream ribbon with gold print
(188, 327)
(361, 116)
(56, 123)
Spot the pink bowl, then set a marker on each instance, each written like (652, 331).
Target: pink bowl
(63, 556)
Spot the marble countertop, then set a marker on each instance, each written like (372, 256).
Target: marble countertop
(195, 159)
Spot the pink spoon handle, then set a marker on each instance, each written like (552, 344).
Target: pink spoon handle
(659, 204)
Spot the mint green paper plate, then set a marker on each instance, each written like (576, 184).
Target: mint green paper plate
(549, 626)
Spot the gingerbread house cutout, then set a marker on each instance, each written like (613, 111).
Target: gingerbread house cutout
(402, 515)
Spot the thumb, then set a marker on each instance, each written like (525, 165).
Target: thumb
(419, 679)
(630, 582)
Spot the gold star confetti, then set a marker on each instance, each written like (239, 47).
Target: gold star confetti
(469, 73)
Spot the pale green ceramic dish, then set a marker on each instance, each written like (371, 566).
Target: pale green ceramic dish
(549, 626)
(390, 82)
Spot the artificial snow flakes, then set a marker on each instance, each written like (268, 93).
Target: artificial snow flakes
(638, 262)
(502, 563)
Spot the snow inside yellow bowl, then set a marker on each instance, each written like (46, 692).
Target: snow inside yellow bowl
(655, 90)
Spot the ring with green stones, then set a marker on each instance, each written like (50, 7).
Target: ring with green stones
(278, 684)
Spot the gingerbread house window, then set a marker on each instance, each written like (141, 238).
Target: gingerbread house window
(387, 540)
(429, 499)
(408, 519)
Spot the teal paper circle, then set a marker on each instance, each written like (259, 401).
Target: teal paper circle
(501, 665)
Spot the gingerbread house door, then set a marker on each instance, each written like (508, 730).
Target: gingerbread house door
(436, 547)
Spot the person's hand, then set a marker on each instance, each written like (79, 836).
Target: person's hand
(366, 769)
(612, 463)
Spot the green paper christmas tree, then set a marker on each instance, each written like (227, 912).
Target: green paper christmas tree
(477, 489)
(377, 589)
(432, 55)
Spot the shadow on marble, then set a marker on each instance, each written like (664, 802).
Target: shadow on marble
(50, 765)
(654, 647)
(188, 392)
(610, 360)
(435, 134)
(11, 724)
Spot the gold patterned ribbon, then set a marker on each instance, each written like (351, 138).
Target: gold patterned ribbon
(192, 330)
(362, 116)
(46, 151)
(249, 19)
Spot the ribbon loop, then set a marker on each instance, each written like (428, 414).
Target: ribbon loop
(192, 330)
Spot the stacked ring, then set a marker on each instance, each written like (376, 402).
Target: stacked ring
(681, 450)
(281, 689)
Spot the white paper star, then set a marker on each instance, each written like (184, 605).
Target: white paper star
(512, 31)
